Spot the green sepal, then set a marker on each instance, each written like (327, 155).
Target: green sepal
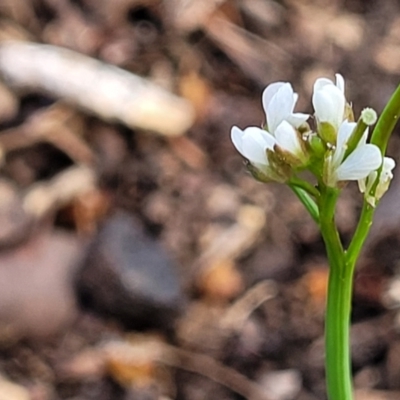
(258, 174)
(327, 132)
(279, 164)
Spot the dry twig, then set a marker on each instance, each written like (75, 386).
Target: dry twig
(43, 197)
(104, 90)
(242, 308)
(49, 125)
(142, 350)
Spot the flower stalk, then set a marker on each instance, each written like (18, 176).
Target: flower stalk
(337, 327)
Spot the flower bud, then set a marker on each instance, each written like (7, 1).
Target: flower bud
(317, 145)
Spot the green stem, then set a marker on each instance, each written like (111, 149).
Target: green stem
(337, 331)
(380, 138)
(307, 201)
(328, 228)
(337, 356)
(360, 235)
(306, 186)
(355, 137)
(387, 122)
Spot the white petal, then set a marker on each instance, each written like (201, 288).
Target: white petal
(287, 138)
(345, 131)
(340, 82)
(388, 164)
(387, 167)
(237, 138)
(255, 147)
(329, 104)
(254, 152)
(270, 92)
(343, 136)
(252, 143)
(364, 137)
(297, 119)
(280, 107)
(320, 83)
(359, 163)
(264, 138)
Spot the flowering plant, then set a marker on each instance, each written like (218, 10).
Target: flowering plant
(335, 149)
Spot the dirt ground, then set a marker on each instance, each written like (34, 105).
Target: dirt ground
(138, 258)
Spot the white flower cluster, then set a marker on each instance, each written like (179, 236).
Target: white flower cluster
(287, 145)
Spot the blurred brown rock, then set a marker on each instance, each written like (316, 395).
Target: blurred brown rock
(369, 340)
(36, 291)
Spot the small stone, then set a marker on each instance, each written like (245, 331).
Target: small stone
(367, 378)
(391, 297)
(282, 385)
(129, 276)
(36, 286)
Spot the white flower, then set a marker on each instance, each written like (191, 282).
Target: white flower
(358, 165)
(329, 103)
(278, 101)
(385, 177)
(252, 144)
(285, 149)
(275, 150)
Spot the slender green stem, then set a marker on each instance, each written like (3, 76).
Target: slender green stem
(355, 137)
(387, 122)
(307, 201)
(306, 186)
(337, 356)
(328, 228)
(380, 138)
(361, 233)
(337, 331)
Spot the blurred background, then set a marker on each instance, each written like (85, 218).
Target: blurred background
(138, 258)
